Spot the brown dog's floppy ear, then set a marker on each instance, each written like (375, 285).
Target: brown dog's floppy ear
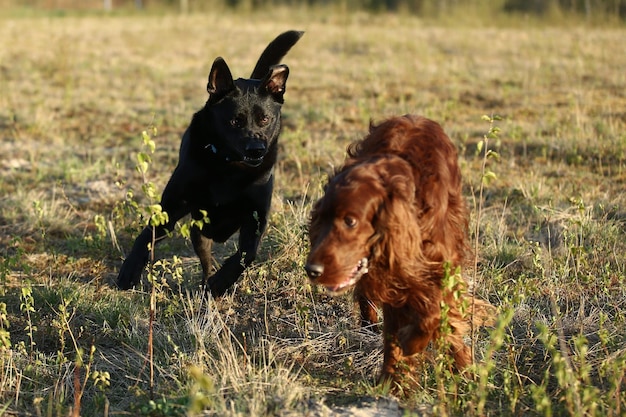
(396, 221)
(397, 178)
(220, 80)
(275, 82)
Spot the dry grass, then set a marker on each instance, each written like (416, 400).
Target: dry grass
(76, 94)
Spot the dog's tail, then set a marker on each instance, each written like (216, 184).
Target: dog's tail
(274, 52)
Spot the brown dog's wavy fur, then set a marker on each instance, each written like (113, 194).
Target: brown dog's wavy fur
(400, 186)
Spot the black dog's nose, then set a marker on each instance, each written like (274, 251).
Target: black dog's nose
(314, 270)
(255, 150)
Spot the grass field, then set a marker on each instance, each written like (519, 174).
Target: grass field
(550, 228)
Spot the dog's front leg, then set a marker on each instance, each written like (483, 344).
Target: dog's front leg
(175, 206)
(392, 353)
(133, 265)
(369, 315)
(249, 239)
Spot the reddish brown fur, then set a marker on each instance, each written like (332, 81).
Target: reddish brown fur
(396, 201)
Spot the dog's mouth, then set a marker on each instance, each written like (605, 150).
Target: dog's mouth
(253, 161)
(250, 157)
(360, 269)
(254, 153)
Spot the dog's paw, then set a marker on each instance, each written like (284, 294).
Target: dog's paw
(218, 287)
(129, 275)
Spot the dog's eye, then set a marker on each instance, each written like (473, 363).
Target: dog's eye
(349, 221)
(236, 122)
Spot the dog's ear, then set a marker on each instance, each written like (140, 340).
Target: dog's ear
(396, 219)
(395, 175)
(275, 82)
(220, 80)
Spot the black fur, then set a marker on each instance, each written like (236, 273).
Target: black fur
(225, 167)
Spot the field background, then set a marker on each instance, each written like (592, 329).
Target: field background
(76, 93)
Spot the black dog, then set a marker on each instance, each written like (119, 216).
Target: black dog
(225, 168)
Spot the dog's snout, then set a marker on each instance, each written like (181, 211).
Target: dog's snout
(314, 270)
(255, 149)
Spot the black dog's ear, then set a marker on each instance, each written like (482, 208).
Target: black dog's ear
(275, 82)
(220, 79)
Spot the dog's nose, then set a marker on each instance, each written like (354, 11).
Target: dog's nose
(255, 150)
(314, 270)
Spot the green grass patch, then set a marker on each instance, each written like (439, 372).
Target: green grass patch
(549, 226)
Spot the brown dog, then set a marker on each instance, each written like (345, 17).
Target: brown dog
(390, 221)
